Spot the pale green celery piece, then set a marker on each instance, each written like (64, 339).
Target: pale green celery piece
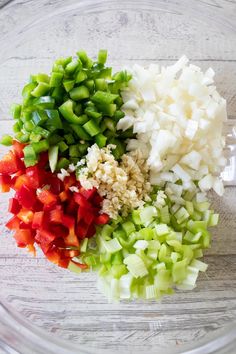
(179, 271)
(193, 238)
(128, 227)
(163, 280)
(74, 268)
(152, 292)
(198, 253)
(165, 215)
(147, 214)
(175, 256)
(189, 207)
(203, 206)
(201, 266)
(106, 232)
(112, 245)
(83, 245)
(188, 283)
(161, 229)
(214, 219)
(147, 261)
(136, 266)
(181, 215)
(175, 244)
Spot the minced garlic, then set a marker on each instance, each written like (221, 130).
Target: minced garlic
(124, 185)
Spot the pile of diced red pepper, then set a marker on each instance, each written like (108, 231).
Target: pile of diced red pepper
(45, 211)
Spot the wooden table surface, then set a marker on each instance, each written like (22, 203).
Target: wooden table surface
(61, 303)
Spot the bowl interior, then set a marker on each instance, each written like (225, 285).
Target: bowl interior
(70, 306)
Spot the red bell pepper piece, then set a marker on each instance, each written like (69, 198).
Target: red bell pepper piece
(97, 200)
(9, 164)
(24, 237)
(37, 220)
(13, 206)
(71, 239)
(71, 207)
(102, 219)
(91, 231)
(18, 148)
(24, 226)
(55, 216)
(88, 193)
(87, 215)
(82, 229)
(26, 216)
(55, 184)
(35, 176)
(43, 160)
(64, 196)
(53, 255)
(26, 197)
(47, 197)
(45, 239)
(5, 183)
(70, 253)
(13, 223)
(69, 181)
(20, 181)
(81, 200)
(64, 262)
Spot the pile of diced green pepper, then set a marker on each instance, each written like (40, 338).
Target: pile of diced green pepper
(78, 105)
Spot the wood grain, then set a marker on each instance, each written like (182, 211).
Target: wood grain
(62, 303)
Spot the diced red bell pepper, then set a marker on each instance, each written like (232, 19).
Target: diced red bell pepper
(9, 164)
(26, 197)
(61, 231)
(45, 239)
(55, 216)
(64, 262)
(35, 176)
(91, 231)
(47, 197)
(70, 253)
(102, 219)
(81, 200)
(71, 207)
(85, 214)
(64, 196)
(18, 148)
(53, 255)
(20, 181)
(71, 239)
(55, 184)
(37, 220)
(80, 265)
(43, 160)
(82, 229)
(5, 183)
(13, 223)
(32, 249)
(88, 193)
(26, 216)
(97, 200)
(69, 181)
(13, 206)
(24, 237)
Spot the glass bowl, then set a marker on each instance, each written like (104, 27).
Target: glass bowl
(47, 309)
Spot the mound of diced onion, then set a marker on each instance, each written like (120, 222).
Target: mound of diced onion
(177, 114)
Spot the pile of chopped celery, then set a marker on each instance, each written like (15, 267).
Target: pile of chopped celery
(153, 250)
(77, 105)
